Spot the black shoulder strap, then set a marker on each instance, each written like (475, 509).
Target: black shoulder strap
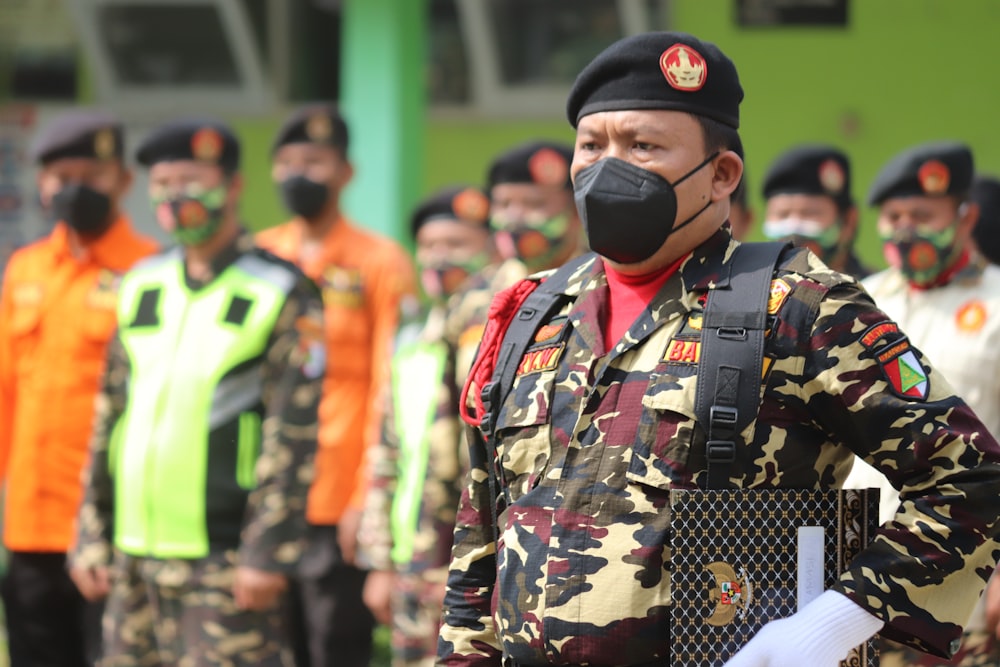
(732, 354)
(539, 305)
(535, 310)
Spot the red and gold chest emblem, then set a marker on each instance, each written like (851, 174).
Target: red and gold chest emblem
(971, 316)
(684, 68)
(934, 177)
(779, 292)
(547, 167)
(206, 144)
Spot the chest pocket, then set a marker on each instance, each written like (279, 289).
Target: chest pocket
(668, 433)
(523, 431)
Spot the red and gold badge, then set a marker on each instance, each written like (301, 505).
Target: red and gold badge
(319, 128)
(548, 167)
(206, 144)
(779, 292)
(684, 68)
(104, 143)
(831, 176)
(934, 177)
(471, 205)
(971, 316)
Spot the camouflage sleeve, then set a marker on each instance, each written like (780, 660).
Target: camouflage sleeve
(375, 531)
(468, 636)
(95, 519)
(275, 526)
(926, 568)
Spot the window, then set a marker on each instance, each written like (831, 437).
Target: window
(520, 57)
(156, 56)
(38, 51)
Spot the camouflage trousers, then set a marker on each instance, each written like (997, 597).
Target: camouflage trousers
(416, 620)
(182, 613)
(979, 649)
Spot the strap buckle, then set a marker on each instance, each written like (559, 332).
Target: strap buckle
(720, 451)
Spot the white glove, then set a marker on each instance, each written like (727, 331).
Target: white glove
(820, 635)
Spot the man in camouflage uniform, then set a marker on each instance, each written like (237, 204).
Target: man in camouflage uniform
(808, 201)
(599, 424)
(419, 464)
(947, 298)
(205, 429)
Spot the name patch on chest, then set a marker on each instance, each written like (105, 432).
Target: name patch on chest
(540, 359)
(681, 351)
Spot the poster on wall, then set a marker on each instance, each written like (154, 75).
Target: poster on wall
(796, 13)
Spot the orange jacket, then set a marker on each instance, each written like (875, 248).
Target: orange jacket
(57, 314)
(363, 276)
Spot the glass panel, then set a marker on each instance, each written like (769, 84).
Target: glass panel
(551, 41)
(176, 45)
(448, 75)
(38, 51)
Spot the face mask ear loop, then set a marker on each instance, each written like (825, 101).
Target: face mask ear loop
(684, 178)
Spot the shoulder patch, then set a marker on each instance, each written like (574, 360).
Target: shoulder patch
(906, 376)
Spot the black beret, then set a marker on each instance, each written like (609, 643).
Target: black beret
(537, 162)
(313, 124)
(86, 133)
(811, 170)
(202, 140)
(986, 192)
(930, 170)
(463, 203)
(659, 70)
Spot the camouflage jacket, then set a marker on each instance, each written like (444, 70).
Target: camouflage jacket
(589, 444)
(437, 473)
(273, 529)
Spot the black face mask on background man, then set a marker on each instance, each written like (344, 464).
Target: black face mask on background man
(628, 212)
(303, 196)
(83, 209)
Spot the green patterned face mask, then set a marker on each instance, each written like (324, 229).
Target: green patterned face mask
(534, 243)
(921, 254)
(825, 242)
(192, 217)
(442, 279)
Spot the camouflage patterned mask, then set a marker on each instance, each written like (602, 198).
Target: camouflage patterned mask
(824, 242)
(442, 279)
(921, 254)
(536, 244)
(192, 217)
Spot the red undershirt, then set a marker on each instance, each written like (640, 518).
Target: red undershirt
(628, 296)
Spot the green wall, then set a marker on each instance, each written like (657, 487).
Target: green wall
(902, 72)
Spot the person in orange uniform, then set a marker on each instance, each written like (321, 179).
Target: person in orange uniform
(366, 279)
(57, 314)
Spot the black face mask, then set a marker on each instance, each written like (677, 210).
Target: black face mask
(627, 211)
(303, 196)
(84, 209)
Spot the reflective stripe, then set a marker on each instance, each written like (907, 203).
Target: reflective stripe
(183, 386)
(248, 450)
(417, 373)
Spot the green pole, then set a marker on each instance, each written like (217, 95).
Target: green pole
(383, 100)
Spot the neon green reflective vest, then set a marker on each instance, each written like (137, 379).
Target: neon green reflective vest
(183, 453)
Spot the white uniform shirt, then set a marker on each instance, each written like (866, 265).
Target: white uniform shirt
(957, 327)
